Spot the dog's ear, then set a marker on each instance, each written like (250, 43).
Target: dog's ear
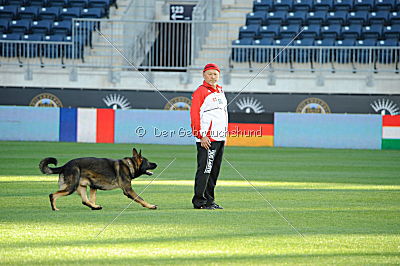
(140, 153)
(134, 153)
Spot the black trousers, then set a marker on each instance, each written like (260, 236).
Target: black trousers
(208, 166)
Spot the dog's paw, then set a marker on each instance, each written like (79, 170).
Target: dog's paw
(97, 208)
(153, 207)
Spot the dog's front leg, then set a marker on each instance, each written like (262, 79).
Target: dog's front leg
(92, 198)
(130, 193)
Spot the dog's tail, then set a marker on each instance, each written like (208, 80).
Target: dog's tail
(45, 169)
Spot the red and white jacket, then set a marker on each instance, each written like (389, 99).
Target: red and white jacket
(208, 113)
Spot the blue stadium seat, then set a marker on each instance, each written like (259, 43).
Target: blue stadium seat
(249, 31)
(392, 32)
(262, 55)
(290, 31)
(298, 17)
(29, 12)
(42, 26)
(366, 5)
(303, 5)
(49, 13)
(17, 2)
(100, 3)
(344, 55)
(32, 49)
(9, 12)
(387, 54)
(325, 55)
(394, 17)
(70, 13)
(270, 31)
(39, 3)
(262, 5)
(385, 5)
(379, 17)
(242, 54)
(256, 18)
(94, 12)
(304, 55)
(283, 5)
(62, 27)
(76, 50)
(366, 55)
(358, 17)
(353, 31)
(79, 3)
(331, 31)
(317, 17)
(10, 49)
(83, 31)
(372, 32)
(4, 25)
(54, 50)
(58, 3)
(337, 17)
(343, 5)
(311, 31)
(278, 17)
(323, 5)
(283, 55)
(20, 26)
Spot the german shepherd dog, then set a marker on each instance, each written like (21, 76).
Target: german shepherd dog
(98, 173)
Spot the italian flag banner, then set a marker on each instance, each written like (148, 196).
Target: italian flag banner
(391, 132)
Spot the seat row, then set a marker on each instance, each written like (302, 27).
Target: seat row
(321, 51)
(326, 5)
(50, 46)
(323, 17)
(356, 31)
(48, 27)
(60, 3)
(54, 13)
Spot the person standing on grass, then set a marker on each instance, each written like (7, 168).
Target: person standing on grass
(209, 122)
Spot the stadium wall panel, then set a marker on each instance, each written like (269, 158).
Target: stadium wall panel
(29, 124)
(342, 131)
(153, 127)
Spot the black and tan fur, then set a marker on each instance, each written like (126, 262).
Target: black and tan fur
(98, 173)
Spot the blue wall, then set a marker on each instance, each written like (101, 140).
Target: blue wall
(328, 131)
(157, 127)
(29, 124)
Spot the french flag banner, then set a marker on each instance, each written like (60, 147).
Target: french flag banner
(391, 132)
(87, 125)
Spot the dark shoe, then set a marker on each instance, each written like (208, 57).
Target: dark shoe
(216, 206)
(205, 207)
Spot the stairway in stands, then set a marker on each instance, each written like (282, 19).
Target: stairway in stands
(235, 16)
(100, 53)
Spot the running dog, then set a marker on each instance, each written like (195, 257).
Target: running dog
(98, 173)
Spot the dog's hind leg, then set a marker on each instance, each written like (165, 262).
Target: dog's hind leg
(54, 196)
(85, 201)
(130, 193)
(92, 198)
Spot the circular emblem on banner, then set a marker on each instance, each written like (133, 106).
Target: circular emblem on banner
(313, 106)
(178, 103)
(46, 100)
(385, 106)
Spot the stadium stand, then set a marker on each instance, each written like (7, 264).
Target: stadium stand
(338, 23)
(39, 21)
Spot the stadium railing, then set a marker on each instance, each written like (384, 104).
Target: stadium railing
(316, 58)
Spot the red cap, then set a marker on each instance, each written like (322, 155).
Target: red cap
(211, 66)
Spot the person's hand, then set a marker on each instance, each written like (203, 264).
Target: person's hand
(205, 143)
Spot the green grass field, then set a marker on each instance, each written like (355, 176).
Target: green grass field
(346, 203)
